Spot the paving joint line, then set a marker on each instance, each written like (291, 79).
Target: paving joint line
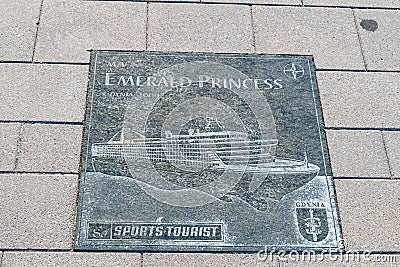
(1, 259)
(15, 61)
(362, 129)
(146, 45)
(61, 63)
(76, 211)
(357, 70)
(88, 63)
(387, 156)
(253, 30)
(359, 40)
(18, 149)
(39, 172)
(35, 250)
(43, 122)
(41, 63)
(37, 30)
(355, 7)
(261, 4)
(380, 178)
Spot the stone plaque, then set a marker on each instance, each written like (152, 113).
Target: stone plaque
(204, 152)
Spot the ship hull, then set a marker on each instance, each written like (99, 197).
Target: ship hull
(280, 178)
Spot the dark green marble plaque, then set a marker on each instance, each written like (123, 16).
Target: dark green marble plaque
(204, 152)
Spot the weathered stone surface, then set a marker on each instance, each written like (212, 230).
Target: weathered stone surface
(357, 154)
(73, 259)
(379, 43)
(9, 133)
(327, 34)
(18, 29)
(392, 144)
(36, 92)
(37, 211)
(50, 148)
(369, 213)
(88, 25)
(360, 100)
(171, 140)
(205, 259)
(203, 28)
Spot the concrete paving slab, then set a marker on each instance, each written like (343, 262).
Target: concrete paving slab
(37, 92)
(277, 2)
(37, 211)
(200, 28)
(205, 259)
(357, 154)
(327, 34)
(88, 25)
(9, 133)
(359, 99)
(18, 29)
(50, 148)
(380, 45)
(354, 3)
(346, 259)
(71, 259)
(392, 144)
(370, 214)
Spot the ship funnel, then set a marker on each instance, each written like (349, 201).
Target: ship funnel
(306, 159)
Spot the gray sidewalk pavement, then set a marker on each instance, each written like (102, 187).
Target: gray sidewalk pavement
(44, 67)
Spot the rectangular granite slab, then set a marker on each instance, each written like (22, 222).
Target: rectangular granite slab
(204, 152)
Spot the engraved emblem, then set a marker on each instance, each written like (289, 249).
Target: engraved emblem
(312, 220)
(313, 226)
(293, 71)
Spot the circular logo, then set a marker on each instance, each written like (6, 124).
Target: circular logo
(293, 71)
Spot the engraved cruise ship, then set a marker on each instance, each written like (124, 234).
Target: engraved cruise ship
(194, 151)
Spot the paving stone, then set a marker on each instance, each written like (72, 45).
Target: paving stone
(327, 34)
(88, 25)
(36, 92)
(370, 214)
(37, 211)
(380, 45)
(50, 148)
(9, 133)
(392, 144)
(204, 259)
(346, 259)
(357, 154)
(77, 259)
(365, 100)
(203, 28)
(277, 2)
(18, 28)
(354, 3)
